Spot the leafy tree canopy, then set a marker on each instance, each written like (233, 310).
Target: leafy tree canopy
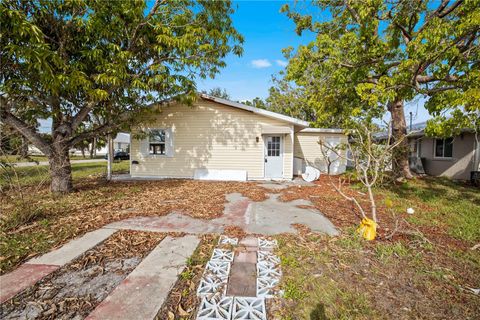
(94, 66)
(257, 102)
(219, 93)
(372, 56)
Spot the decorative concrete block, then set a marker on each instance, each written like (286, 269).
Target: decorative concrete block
(211, 285)
(266, 286)
(225, 240)
(267, 270)
(222, 255)
(217, 268)
(249, 308)
(267, 256)
(264, 243)
(215, 308)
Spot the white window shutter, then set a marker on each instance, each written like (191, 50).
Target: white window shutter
(169, 142)
(144, 146)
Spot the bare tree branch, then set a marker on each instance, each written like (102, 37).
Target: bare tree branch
(24, 129)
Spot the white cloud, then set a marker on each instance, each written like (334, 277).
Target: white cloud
(261, 63)
(281, 63)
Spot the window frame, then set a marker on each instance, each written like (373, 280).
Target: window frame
(158, 143)
(442, 157)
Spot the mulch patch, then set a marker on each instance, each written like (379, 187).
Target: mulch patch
(234, 232)
(76, 289)
(182, 302)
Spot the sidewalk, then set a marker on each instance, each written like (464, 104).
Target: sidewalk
(45, 163)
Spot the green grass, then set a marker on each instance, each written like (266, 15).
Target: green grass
(442, 203)
(387, 251)
(36, 175)
(348, 278)
(310, 290)
(17, 159)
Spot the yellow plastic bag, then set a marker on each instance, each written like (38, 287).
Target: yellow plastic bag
(367, 229)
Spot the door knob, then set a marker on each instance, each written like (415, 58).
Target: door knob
(265, 159)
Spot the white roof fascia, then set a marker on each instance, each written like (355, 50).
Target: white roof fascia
(266, 113)
(321, 130)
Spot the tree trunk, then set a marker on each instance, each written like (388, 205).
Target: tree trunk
(60, 169)
(399, 131)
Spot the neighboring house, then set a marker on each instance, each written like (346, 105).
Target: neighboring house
(454, 157)
(120, 143)
(32, 150)
(219, 139)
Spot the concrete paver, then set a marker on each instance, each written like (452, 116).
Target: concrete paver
(243, 280)
(21, 278)
(249, 241)
(37, 268)
(143, 292)
(73, 249)
(246, 256)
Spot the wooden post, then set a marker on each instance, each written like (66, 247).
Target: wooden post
(110, 157)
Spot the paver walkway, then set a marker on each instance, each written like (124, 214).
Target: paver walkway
(35, 269)
(142, 293)
(251, 273)
(243, 273)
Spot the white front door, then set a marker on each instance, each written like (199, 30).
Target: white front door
(273, 157)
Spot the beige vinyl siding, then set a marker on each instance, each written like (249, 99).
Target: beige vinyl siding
(308, 149)
(209, 135)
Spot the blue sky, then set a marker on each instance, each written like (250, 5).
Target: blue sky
(267, 32)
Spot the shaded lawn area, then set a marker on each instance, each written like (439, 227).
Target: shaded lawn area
(423, 270)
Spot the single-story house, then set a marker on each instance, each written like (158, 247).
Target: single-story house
(120, 143)
(454, 157)
(218, 139)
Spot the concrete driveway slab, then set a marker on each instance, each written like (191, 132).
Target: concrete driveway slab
(268, 217)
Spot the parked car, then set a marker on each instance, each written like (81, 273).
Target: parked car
(119, 155)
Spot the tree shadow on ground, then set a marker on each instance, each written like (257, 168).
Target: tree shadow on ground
(430, 189)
